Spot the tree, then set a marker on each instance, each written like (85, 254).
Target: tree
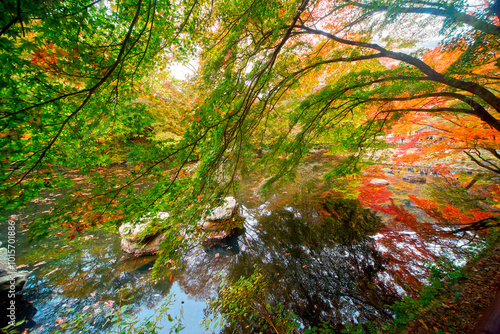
(72, 90)
(277, 75)
(314, 64)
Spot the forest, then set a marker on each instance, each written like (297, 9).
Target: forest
(360, 139)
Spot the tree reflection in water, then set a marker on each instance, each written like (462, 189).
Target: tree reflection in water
(85, 276)
(320, 263)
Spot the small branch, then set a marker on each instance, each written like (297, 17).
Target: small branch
(435, 110)
(19, 16)
(476, 178)
(443, 11)
(495, 170)
(479, 225)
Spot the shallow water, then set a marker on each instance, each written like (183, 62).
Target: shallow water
(323, 270)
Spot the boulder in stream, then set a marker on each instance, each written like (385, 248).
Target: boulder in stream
(11, 280)
(379, 182)
(142, 239)
(223, 220)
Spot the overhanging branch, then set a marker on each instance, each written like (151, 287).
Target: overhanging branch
(433, 75)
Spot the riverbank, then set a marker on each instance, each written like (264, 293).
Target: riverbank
(459, 306)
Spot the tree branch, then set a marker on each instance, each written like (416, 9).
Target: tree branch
(442, 11)
(435, 110)
(433, 75)
(479, 163)
(16, 18)
(91, 91)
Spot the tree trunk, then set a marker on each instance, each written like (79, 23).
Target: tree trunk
(489, 323)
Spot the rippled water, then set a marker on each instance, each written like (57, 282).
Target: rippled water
(333, 270)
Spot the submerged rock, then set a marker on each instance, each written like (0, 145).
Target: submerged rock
(414, 179)
(11, 280)
(142, 239)
(225, 247)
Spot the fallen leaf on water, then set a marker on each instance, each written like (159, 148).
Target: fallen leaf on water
(53, 271)
(21, 266)
(109, 303)
(39, 263)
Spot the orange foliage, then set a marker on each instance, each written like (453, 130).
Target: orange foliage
(447, 137)
(47, 55)
(449, 215)
(439, 59)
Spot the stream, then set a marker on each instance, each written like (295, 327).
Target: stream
(340, 270)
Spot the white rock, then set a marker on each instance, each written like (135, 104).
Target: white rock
(149, 248)
(131, 232)
(210, 226)
(9, 275)
(379, 182)
(133, 236)
(163, 215)
(225, 211)
(216, 224)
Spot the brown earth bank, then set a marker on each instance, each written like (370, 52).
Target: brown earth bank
(470, 306)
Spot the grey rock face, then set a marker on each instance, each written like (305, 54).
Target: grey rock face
(414, 179)
(220, 223)
(10, 278)
(137, 240)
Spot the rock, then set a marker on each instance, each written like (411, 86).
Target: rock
(414, 178)
(379, 182)
(222, 221)
(210, 225)
(217, 235)
(149, 247)
(131, 232)
(137, 240)
(10, 279)
(225, 211)
(318, 150)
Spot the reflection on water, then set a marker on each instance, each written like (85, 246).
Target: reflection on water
(323, 257)
(322, 270)
(88, 276)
